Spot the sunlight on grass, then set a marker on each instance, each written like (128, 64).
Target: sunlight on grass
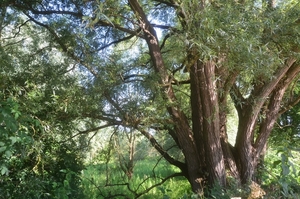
(100, 181)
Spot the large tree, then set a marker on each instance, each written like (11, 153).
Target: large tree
(171, 68)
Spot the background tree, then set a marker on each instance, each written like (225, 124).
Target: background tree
(187, 59)
(34, 160)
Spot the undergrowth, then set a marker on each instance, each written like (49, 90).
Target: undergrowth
(279, 177)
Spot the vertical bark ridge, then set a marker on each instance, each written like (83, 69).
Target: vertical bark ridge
(197, 119)
(211, 123)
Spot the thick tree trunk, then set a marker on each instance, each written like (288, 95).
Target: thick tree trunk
(211, 123)
(188, 146)
(245, 151)
(197, 119)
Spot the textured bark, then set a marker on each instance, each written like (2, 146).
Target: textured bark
(186, 141)
(248, 150)
(197, 119)
(211, 123)
(245, 150)
(273, 110)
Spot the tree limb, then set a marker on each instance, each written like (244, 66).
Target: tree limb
(61, 12)
(274, 107)
(79, 15)
(62, 45)
(88, 131)
(269, 87)
(289, 105)
(168, 3)
(158, 184)
(115, 42)
(237, 98)
(159, 148)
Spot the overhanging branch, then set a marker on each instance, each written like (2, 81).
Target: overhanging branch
(168, 3)
(269, 87)
(115, 42)
(290, 105)
(62, 44)
(61, 12)
(118, 27)
(274, 107)
(158, 184)
(87, 131)
(237, 98)
(159, 148)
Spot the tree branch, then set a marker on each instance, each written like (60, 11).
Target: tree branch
(19, 30)
(168, 3)
(62, 45)
(128, 77)
(164, 41)
(118, 27)
(80, 15)
(289, 105)
(237, 98)
(274, 107)
(87, 131)
(176, 82)
(269, 87)
(115, 42)
(159, 148)
(158, 184)
(229, 82)
(111, 119)
(165, 27)
(61, 12)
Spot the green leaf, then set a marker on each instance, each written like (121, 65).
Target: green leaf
(8, 153)
(285, 170)
(276, 163)
(66, 183)
(4, 170)
(13, 139)
(3, 148)
(16, 113)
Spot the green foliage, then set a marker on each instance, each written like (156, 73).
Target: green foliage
(33, 166)
(34, 162)
(69, 77)
(282, 164)
(106, 180)
(281, 173)
(288, 179)
(13, 133)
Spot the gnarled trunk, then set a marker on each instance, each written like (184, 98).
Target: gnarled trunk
(205, 100)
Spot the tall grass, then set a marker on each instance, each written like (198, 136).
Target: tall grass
(279, 178)
(109, 181)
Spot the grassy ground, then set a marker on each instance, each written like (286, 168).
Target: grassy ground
(105, 181)
(279, 178)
